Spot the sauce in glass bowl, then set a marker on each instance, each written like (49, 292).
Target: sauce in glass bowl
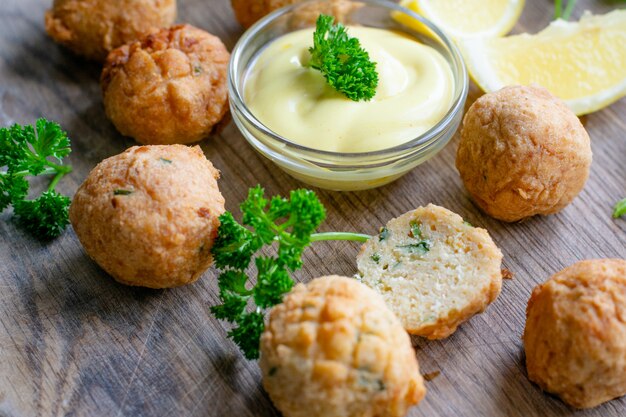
(415, 90)
(374, 153)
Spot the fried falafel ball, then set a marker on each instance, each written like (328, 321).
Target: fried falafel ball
(575, 336)
(93, 28)
(249, 11)
(523, 152)
(433, 270)
(169, 88)
(332, 348)
(149, 215)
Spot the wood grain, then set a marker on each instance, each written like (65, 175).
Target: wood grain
(75, 343)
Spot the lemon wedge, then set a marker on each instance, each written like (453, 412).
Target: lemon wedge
(583, 63)
(462, 19)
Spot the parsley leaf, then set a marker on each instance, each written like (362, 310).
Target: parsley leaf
(291, 224)
(346, 66)
(248, 332)
(620, 209)
(288, 222)
(234, 245)
(420, 248)
(31, 151)
(12, 188)
(233, 294)
(272, 283)
(46, 216)
(423, 246)
(416, 230)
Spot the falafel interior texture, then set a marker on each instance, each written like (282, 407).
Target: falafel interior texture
(434, 270)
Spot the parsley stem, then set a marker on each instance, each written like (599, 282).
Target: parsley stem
(61, 171)
(65, 169)
(47, 171)
(568, 9)
(357, 237)
(558, 9)
(54, 169)
(559, 13)
(56, 180)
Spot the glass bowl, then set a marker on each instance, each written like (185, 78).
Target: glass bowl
(335, 170)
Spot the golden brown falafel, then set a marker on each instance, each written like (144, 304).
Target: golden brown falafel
(522, 152)
(169, 88)
(149, 215)
(93, 28)
(249, 11)
(575, 335)
(332, 348)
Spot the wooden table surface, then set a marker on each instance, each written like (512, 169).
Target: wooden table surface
(73, 342)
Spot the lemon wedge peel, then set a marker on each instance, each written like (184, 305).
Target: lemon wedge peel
(572, 48)
(492, 18)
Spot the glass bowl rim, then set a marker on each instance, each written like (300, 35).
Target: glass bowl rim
(430, 135)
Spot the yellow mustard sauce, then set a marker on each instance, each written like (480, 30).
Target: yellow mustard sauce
(415, 91)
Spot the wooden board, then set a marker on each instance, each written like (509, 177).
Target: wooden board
(75, 343)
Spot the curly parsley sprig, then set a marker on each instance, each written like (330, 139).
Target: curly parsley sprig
(346, 66)
(291, 224)
(31, 151)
